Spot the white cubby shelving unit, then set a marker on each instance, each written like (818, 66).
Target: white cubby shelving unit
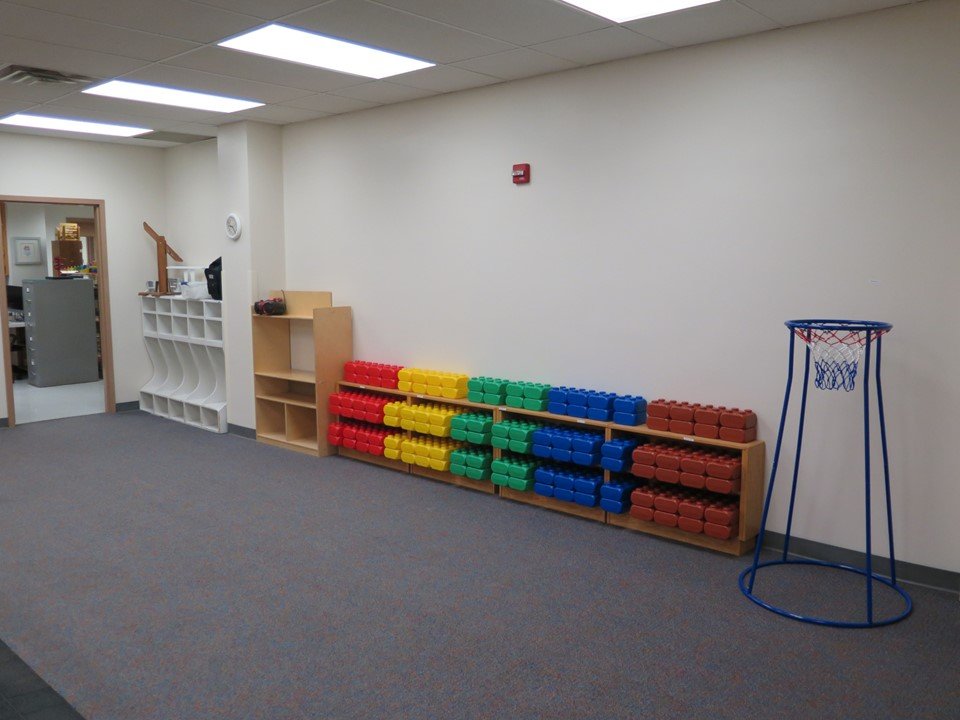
(184, 339)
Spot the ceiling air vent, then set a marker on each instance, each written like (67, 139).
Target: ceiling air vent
(23, 75)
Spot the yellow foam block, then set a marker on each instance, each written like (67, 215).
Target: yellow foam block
(439, 431)
(391, 421)
(418, 388)
(418, 376)
(405, 374)
(406, 412)
(407, 424)
(439, 452)
(423, 461)
(408, 458)
(441, 465)
(404, 385)
(394, 442)
(391, 454)
(434, 377)
(422, 427)
(421, 414)
(434, 390)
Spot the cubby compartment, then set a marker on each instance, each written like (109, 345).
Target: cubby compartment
(164, 324)
(213, 330)
(195, 308)
(282, 390)
(148, 304)
(191, 414)
(160, 406)
(150, 323)
(301, 426)
(271, 421)
(213, 419)
(163, 305)
(146, 402)
(195, 328)
(178, 306)
(176, 410)
(212, 309)
(179, 325)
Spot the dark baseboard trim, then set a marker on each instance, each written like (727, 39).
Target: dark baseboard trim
(907, 572)
(3, 422)
(128, 406)
(242, 431)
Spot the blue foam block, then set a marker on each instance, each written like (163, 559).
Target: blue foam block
(557, 395)
(614, 506)
(588, 500)
(577, 396)
(562, 494)
(581, 458)
(544, 475)
(616, 464)
(561, 440)
(628, 419)
(560, 455)
(588, 485)
(577, 411)
(587, 443)
(542, 451)
(541, 489)
(617, 491)
(563, 481)
(601, 415)
(630, 404)
(557, 408)
(542, 437)
(600, 400)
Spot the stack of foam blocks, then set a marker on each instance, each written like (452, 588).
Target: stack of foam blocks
(472, 463)
(359, 437)
(436, 383)
(514, 435)
(369, 373)
(597, 405)
(526, 395)
(686, 510)
(569, 485)
(708, 421)
(566, 445)
(428, 452)
(472, 427)
(359, 406)
(693, 468)
(513, 472)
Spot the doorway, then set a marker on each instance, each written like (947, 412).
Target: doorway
(54, 313)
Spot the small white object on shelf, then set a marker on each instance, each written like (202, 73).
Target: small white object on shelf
(184, 338)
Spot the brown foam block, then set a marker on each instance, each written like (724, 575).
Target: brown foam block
(694, 462)
(645, 454)
(738, 419)
(668, 459)
(723, 486)
(724, 468)
(737, 435)
(706, 431)
(656, 423)
(682, 411)
(658, 409)
(684, 427)
(692, 509)
(665, 518)
(668, 476)
(642, 497)
(693, 480)
(721, 532)
(691, 525)
(720, 514)
(641, 513)
(665, 503)
(707, 415)
(647, 472)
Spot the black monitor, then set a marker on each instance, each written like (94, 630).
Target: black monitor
(14, 297)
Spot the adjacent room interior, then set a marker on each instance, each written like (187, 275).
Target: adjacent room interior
(509, 359)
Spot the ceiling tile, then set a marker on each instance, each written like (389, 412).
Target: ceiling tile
(515, 64)
(218, 84)
(175, 18)
(258, 8)
(706, 23)
(194, 128)
(278, 114)
(382, 27)
(444, 78)
(791, 12)
(96, 103)
(8, 107)
(331, 104)
(381, 91)
(57, 57)
(34, 93)
(611, 43)
(222, 61)
(55, 28)
(520, 23)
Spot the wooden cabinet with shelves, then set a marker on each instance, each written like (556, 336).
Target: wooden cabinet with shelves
(751, 455)
(285, 387)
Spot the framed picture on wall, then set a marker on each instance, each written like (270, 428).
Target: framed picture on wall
(26, 251)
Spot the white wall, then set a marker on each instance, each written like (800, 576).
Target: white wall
(193, 225)
(683, 205)
(26, 221)
(131, 182)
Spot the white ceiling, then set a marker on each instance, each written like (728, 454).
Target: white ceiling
(473, 43)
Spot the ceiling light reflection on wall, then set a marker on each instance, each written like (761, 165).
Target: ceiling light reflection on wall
(621, 11)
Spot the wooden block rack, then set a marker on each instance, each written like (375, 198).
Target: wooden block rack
(751, 456)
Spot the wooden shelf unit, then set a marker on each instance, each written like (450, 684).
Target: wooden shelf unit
(287, 397)
(752, 456)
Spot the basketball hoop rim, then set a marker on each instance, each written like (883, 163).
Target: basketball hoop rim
(873, 326)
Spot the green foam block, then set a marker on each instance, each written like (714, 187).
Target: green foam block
(520, 485)
(519, 446)
(460, 470)
(498, 479)
(477, 438)
(540, 405)
(478, 473)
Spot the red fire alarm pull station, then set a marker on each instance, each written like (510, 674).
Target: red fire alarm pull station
(521, 174)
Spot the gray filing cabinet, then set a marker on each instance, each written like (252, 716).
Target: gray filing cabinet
(61, 332)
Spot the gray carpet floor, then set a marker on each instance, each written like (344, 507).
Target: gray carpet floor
(153, 571)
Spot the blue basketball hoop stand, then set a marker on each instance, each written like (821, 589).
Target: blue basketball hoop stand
(836, 347)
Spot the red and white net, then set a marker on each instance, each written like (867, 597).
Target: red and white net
(836, 355)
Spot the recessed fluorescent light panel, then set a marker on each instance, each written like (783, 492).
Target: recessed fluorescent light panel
(79, 126)
(621, 11)
(306, 48)
(170, 96)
